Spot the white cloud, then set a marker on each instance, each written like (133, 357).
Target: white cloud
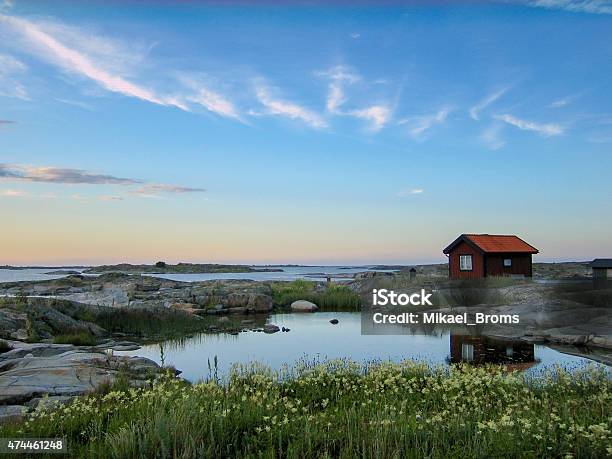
(338, 76)
(12, 193)
(563, 101)
(56, 50)
(491, 137)
(546, 130)
(207, 98)
(410, 192)
(421, 124)
(335, 98)
(10, 69)
(476, 109)
(377, 115)
(355, 35)
(279, 107)
(575, 6)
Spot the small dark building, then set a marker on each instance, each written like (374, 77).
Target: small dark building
(475, 256)
(602, 268)
(602, 272)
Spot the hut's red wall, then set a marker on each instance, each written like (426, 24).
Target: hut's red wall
(521, 264)
(477, 262)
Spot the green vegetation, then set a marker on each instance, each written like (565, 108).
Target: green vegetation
(340, 409)
(332, 298)
(148, 322)
(78, 338)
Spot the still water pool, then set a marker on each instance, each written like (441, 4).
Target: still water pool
(313, 337)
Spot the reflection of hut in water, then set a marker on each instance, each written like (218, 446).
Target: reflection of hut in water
(478, 350)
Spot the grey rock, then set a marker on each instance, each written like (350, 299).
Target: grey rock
(304, 306)
(75, 371)
(271, 328)
(49, 402)
(12, 413)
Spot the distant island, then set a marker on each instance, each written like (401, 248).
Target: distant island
(180, 268)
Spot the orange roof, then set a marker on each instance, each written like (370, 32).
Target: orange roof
(495, 243)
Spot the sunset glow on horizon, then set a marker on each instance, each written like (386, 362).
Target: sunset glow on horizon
(194, 132)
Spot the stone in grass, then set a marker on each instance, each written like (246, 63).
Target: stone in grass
(304, 306)
(12, 413)
(270, 328)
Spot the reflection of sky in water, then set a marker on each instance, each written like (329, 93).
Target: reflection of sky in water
(313, 337)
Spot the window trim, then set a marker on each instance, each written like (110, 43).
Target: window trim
(471, 258)
(509, 265)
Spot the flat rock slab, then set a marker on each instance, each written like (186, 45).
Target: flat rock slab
(71, 371)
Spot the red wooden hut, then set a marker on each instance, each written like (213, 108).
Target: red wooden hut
(474, 256)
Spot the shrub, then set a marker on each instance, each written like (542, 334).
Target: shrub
(334, 298)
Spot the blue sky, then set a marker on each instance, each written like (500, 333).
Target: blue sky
(310, 134)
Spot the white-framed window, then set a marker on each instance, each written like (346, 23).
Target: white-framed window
(507, 262)
(465, 262)
(467, 352)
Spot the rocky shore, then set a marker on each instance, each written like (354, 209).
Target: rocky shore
(112, 308)
(43, 373)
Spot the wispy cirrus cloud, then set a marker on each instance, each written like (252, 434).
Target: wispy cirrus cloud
(211, 100)
(69, 176)
(491, 137)
(419, 125)
(338, 76)
(476, 109)
(376, 115)
(279, 107)
(574, 6)
(410, 192)
(562, 102)
(60, 175)
(10, 70)
(49, 42)
(544, 129)
(156, 188)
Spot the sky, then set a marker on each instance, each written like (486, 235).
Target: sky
(302, 133)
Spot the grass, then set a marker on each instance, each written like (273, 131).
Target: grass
(148, 322)
(340, 409)
(333, 298)
(78, 338)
